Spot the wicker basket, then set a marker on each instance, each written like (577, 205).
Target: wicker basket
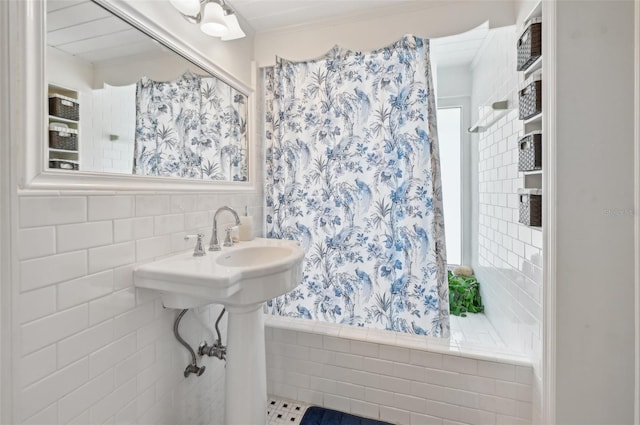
(63, 138)
(530, 152)
(530, 99)
(61, 164)
(530, 207)
(530, 44)
(64, 107)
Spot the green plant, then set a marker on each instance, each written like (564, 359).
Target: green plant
(464, 295)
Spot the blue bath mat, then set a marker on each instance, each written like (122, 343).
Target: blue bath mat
(320, 416)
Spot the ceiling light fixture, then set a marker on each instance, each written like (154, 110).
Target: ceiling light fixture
(187, 7)
(215, 17)
(235, 31)
(213, 23)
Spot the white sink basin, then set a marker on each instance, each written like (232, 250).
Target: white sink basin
(253, 256)
(247, 273)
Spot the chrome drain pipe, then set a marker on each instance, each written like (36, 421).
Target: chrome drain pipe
(193, 367)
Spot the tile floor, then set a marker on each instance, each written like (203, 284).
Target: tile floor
(282, 411)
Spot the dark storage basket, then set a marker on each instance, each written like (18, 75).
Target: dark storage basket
(530, 152)
(530, 209)
(61, 164)
(64, 107)
(530, 100)
(60, 138)
(530, 45)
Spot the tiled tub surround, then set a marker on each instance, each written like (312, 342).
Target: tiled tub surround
(90, 348)
(398, 378)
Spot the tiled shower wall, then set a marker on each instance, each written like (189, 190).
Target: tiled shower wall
(508, 255)
(112, 112)
(88, 346)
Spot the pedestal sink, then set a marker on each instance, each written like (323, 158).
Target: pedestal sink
(241, 278)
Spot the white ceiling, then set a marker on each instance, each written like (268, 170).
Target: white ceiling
(459, 49)
(268, 15)
(85, 30)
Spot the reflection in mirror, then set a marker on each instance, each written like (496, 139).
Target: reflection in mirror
(121, 102)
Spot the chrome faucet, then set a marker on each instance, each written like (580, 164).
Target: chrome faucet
(198, 250)
(214, 244)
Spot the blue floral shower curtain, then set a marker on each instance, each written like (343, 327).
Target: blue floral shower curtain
(353, 173)
(194, 127)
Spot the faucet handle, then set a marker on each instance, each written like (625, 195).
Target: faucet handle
(198, 250)
(227, 238)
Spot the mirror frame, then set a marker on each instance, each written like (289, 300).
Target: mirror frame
(30, 110)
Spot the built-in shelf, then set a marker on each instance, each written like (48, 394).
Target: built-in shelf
(53, 118)
(534, 119)
(533, 126)
(536, 12)
(62, 150)
(536, 66)
(66, 160)
(529, 191)
(70, 156)
(532, 180)
(64, 156)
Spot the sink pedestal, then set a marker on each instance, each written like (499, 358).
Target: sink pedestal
(246, 374)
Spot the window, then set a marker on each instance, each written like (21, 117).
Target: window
(449, 137)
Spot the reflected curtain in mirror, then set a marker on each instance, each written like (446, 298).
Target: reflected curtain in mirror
(193, 127)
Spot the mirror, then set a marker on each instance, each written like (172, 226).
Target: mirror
(121, 102)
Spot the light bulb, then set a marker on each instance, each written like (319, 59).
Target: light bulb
(234, 28)
(187, 7)
(213, 22)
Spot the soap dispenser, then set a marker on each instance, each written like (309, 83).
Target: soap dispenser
(245, 229)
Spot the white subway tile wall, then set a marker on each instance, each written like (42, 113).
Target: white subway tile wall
(109, 147)
(392, 383)
(509, 255)
(90, 347)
